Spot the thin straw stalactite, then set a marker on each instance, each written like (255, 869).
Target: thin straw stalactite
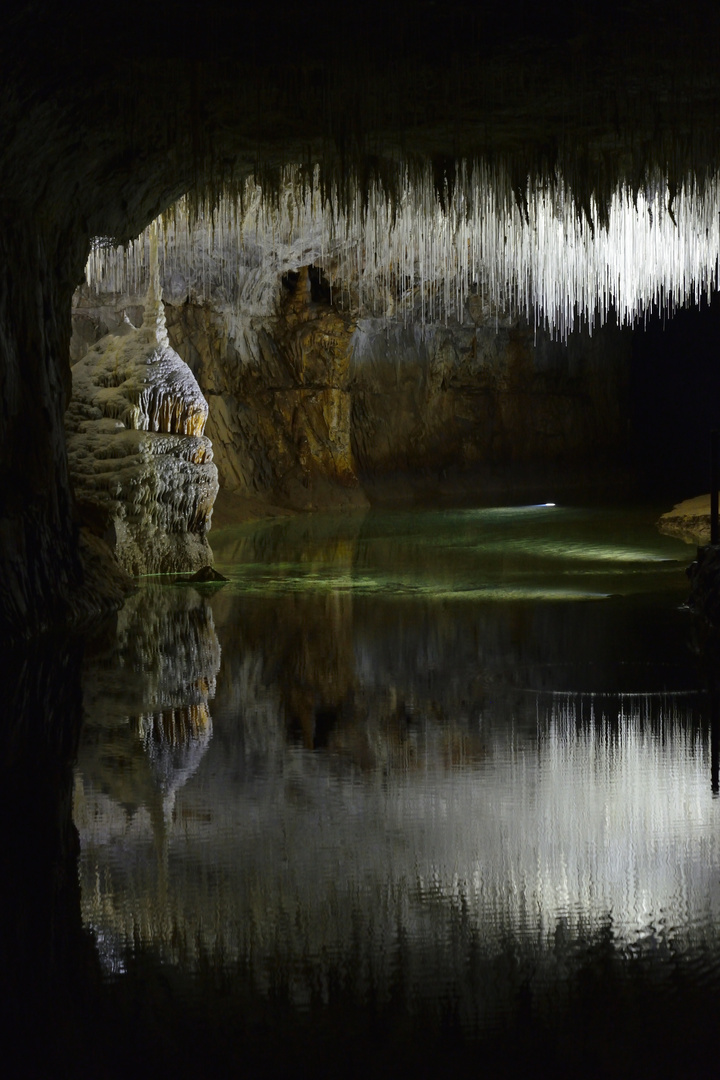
(410, 252)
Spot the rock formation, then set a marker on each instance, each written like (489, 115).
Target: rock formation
(689, 520)
(141, 466)
(315, 406)
(279, 384)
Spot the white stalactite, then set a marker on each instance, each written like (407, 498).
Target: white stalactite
(408, 256)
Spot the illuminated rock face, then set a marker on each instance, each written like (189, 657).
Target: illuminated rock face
(314, 406)
(140, 463)
(279, 383)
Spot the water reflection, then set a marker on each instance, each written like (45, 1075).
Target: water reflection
(421, 806)
(494, 553)
(146, 693)
(594, 816)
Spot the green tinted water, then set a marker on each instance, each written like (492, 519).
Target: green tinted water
(500, 553)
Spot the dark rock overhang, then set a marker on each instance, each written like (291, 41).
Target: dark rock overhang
(123, 107)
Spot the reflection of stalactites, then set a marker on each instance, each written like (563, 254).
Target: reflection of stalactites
(174, 727)
(146, 700)
(175, 741)
(167, 636)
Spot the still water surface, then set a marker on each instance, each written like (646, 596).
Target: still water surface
(409, 781)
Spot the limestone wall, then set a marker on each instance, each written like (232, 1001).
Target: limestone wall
(312, 406)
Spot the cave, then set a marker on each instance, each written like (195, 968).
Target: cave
(406, 316)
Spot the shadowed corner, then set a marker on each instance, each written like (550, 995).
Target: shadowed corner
(48, 966)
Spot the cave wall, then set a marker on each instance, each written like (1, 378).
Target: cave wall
(38, 546)
(312, 406)
(279, 396)
(67, 173)
(465, 407)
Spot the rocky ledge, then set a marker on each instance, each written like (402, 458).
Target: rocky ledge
(688, 520)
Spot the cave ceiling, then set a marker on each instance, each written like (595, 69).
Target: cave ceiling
(115, 111)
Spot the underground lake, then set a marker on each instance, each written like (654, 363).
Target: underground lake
(417, 790)
(429, 784)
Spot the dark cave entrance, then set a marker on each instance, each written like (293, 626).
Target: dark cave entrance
(675, 399)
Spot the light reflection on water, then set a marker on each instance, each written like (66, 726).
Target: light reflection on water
(396, 795)
(500, 553)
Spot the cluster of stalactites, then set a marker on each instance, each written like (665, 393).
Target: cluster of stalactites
(416, 254)
(177, 726)
(157, 409)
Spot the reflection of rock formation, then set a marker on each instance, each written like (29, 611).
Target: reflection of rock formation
(175, 741)
(141, 466)
(306, 641)
(380, 632)
(146, 699)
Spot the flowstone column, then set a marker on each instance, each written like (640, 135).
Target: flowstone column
(141, 465)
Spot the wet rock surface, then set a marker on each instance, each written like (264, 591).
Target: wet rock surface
(205, 575)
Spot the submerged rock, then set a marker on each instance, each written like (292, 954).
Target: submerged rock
(203, 576)
(141, 466)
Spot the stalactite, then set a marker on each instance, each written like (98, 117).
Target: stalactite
(399, 251)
